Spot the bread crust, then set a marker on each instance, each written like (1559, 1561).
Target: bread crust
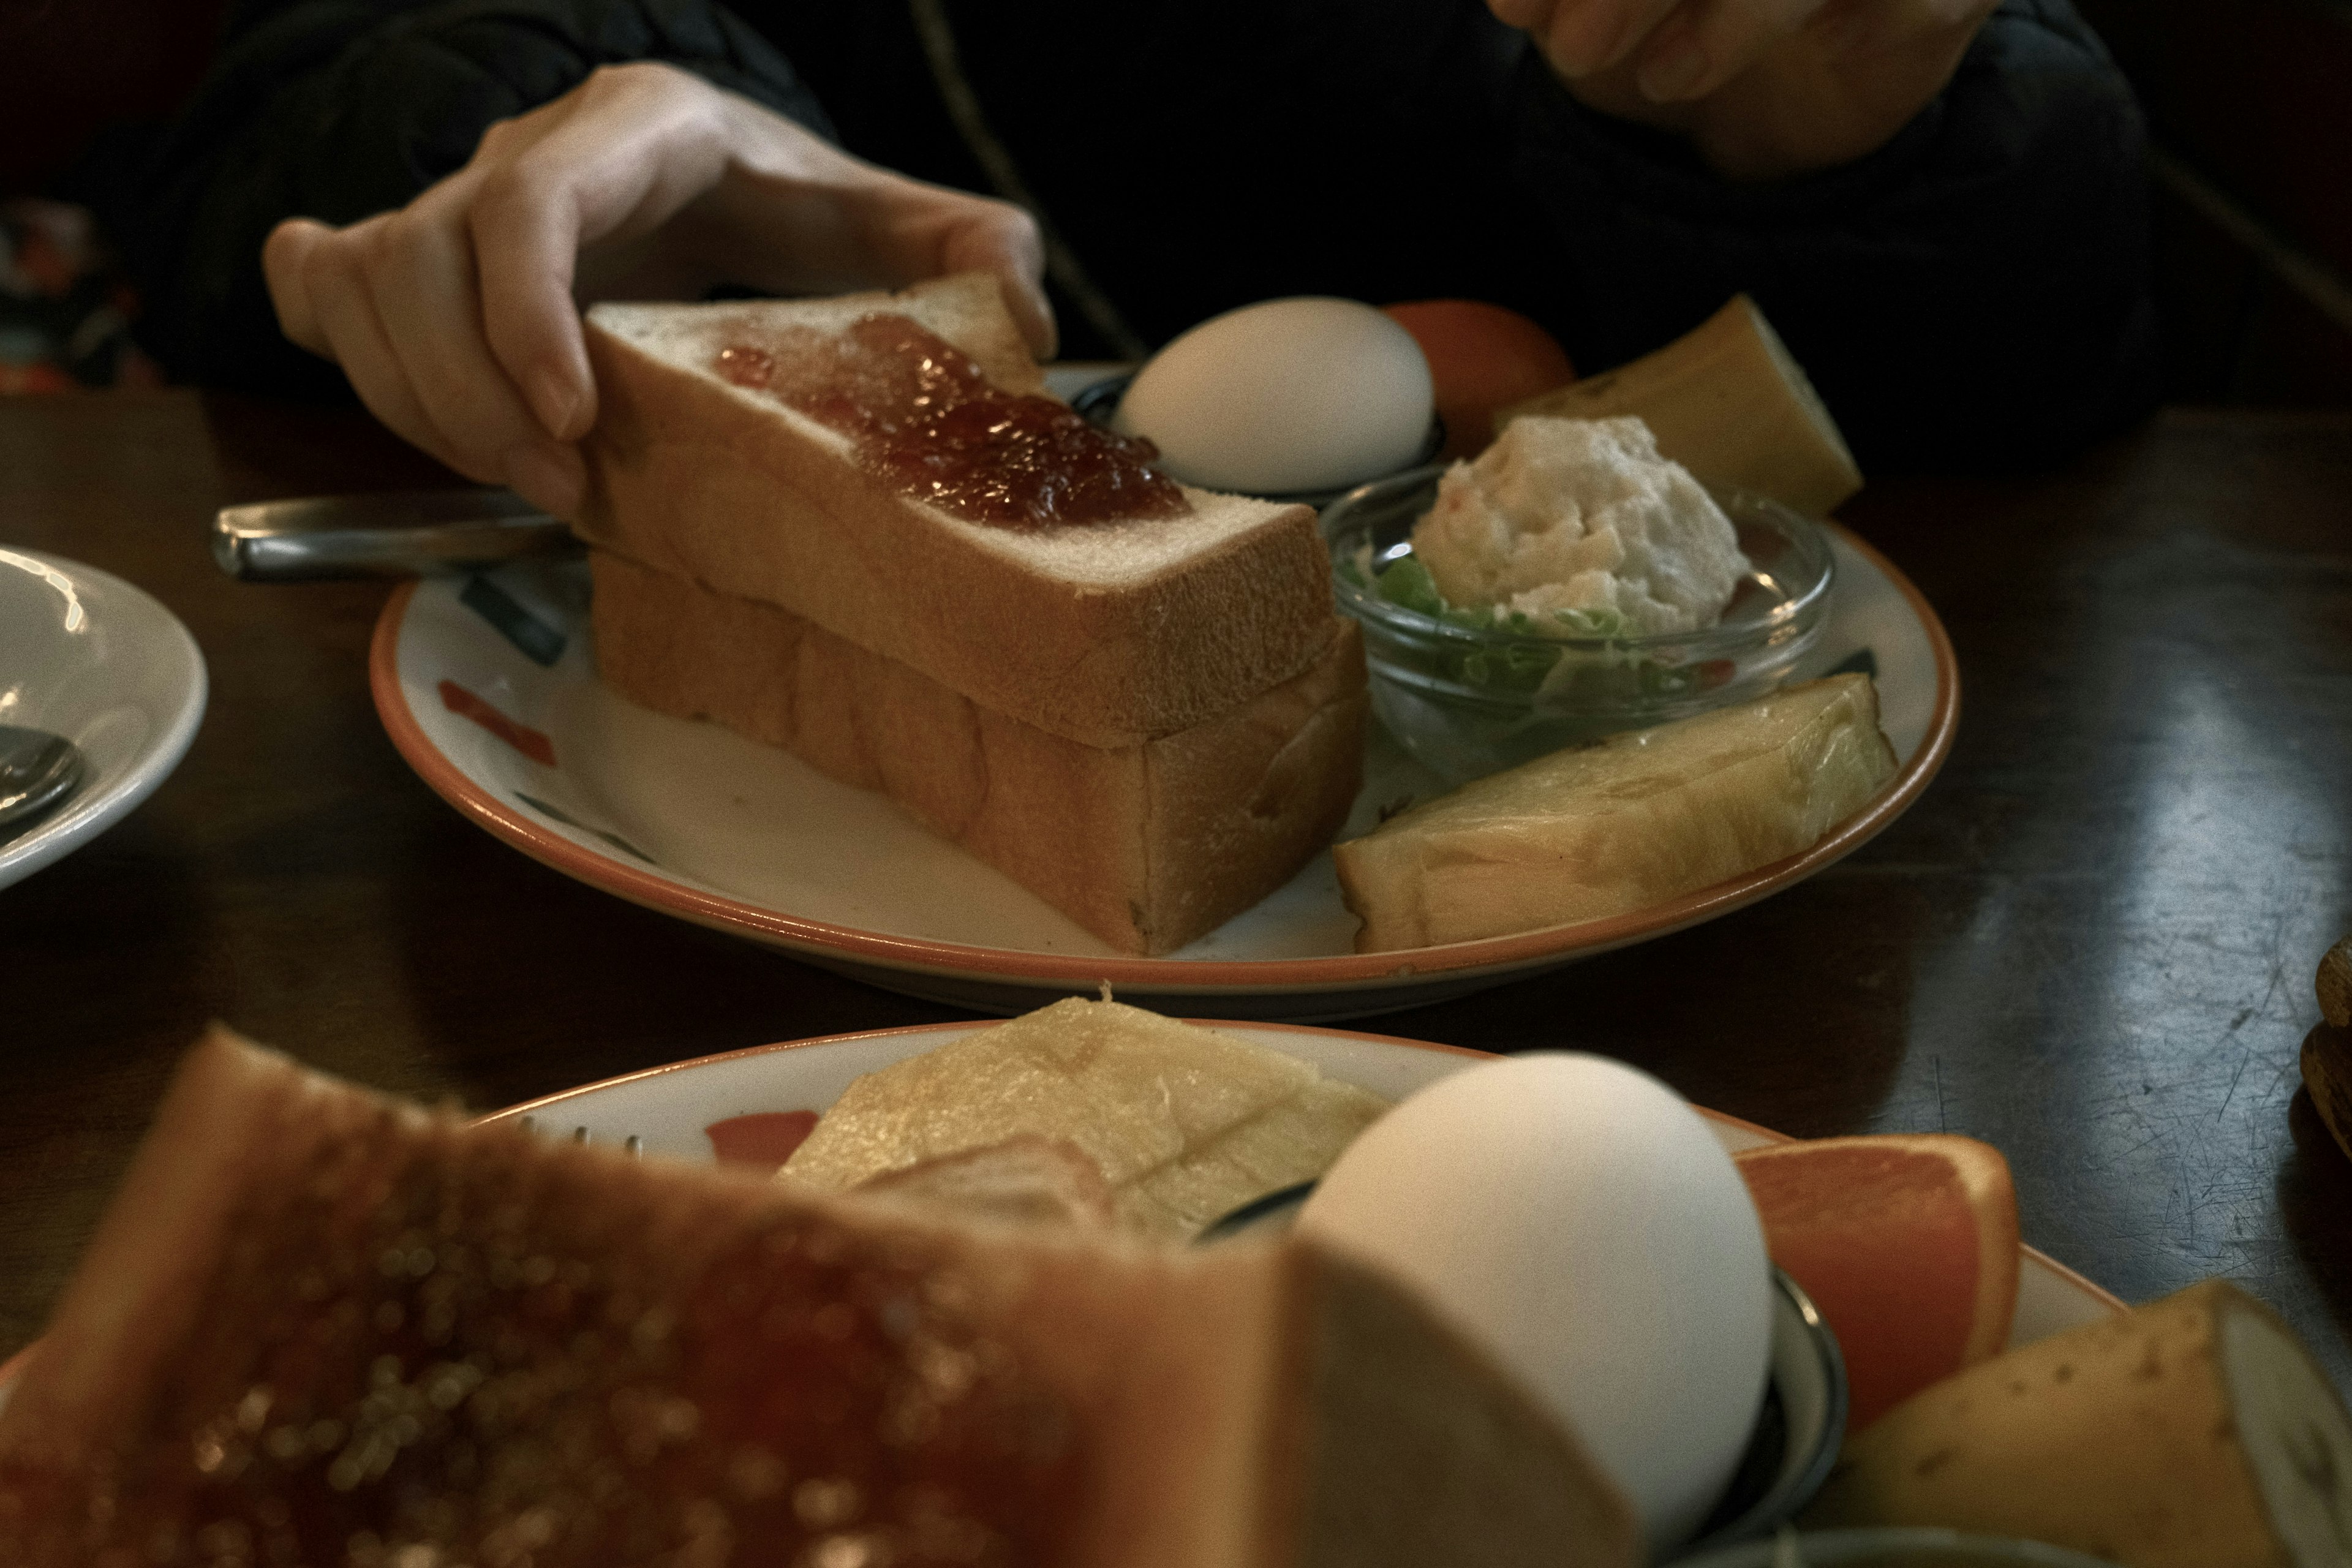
(1147, 845)
(705, 480)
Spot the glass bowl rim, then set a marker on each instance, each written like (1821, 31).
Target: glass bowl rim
(1365, 602)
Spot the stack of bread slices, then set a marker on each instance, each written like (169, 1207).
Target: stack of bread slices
(1151, 723)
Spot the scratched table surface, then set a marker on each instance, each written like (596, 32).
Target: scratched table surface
(2092, 941)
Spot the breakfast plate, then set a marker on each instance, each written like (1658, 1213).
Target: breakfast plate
(487, 686)
(749, 1106)
(743, 1100)
(85, 655)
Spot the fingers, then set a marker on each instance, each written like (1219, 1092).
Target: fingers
(797, 215)
(455, 317)
(392, 301)
(1005, 241)
(609, 163)
(345, 321)
(422, 283)
(1705, 42)
(1862, 27)
(528, 250)
(1680, 52)
(1585, 38)
(285, 260)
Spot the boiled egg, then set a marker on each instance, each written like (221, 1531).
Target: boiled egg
(1284, 397)
(1578, 1219)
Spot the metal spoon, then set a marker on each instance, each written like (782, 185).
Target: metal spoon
(37, 771)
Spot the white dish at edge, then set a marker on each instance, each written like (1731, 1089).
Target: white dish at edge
(85, 655)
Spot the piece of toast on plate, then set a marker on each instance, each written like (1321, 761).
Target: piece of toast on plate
(1108, 634)
(317, 1326)
(1148, 846)
(1135, 699)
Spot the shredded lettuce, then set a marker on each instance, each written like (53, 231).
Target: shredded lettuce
(1543, 665)
(1405, 582)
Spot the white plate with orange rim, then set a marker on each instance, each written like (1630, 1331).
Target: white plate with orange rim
(487, 686)
(751, 1101)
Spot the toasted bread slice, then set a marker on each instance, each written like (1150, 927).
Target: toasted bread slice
(1147, 845)
(1108, 636)
(316, 1326)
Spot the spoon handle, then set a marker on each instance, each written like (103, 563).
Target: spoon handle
(409, 534)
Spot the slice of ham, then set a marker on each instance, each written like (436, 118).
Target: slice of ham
(316, 1327)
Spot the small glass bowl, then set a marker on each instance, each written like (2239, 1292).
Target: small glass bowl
(1466, 703)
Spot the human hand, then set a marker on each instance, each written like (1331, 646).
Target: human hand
(1762, 88)
(457, 316)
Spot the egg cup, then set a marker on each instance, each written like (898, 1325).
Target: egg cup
(1098, 403)
(1797, 1434)
(1469, 700)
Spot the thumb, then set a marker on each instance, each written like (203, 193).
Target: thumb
(1005, 242)
(284, 263)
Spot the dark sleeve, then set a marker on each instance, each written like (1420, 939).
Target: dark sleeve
(1975, 294)
(339, 109)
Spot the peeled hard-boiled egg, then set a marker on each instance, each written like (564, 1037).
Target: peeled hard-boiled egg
(1577, 1218)
(1285, 397)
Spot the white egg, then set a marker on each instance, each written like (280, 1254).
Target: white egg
(1576, 1217)
(1283, 396)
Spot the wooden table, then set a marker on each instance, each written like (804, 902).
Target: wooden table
(2092, 941)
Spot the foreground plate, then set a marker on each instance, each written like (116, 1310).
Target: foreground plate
(85, 655)
(487, 686)
(670, 1110)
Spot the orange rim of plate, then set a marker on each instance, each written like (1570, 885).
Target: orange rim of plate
(1403, 965)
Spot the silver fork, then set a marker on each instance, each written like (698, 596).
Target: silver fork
(633, 1145)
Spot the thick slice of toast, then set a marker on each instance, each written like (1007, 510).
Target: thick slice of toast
(316, 1326)
(1108, 634)
(1147, 845)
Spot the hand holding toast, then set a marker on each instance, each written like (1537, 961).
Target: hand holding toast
(1762, 88)
(456, 319)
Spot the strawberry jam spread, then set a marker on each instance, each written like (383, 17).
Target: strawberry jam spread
(925, 420)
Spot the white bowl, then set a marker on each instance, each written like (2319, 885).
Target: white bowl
(85, 655)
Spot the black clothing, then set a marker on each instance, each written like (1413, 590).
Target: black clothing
(1974, 292)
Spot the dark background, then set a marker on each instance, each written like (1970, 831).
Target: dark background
(2248, 101)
